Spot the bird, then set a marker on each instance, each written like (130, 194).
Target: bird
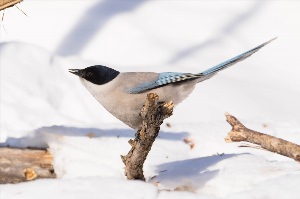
(123, 94)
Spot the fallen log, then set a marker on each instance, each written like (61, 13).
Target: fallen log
(20, 165)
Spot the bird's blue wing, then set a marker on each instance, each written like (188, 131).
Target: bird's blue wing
(171, 77)
(234, 60)
(162, 80)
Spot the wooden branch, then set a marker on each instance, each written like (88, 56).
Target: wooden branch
(153, 113)
(19, 165)
(240, 133)
(8, 3)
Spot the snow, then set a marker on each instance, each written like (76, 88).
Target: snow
(43, 105)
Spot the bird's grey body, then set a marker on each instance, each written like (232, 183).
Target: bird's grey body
(126, 106)
(123, 94)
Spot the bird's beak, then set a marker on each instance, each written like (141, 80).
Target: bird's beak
(75, 72)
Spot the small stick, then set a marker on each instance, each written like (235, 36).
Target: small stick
(22, 11)
(241, 133)
(8, 3)
(2, 22)
(153, 113)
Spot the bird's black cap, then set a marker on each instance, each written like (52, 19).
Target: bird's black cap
(97, 74)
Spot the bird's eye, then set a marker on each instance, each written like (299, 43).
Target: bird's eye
(89, 74)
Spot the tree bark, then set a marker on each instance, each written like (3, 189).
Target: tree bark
(19, 165)
(277, 145)
(8, 3)
(153, 113)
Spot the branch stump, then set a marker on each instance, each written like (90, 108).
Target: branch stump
(153, 113)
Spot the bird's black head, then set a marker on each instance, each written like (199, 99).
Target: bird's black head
(96, 74)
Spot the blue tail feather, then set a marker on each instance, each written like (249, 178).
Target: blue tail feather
(174, 77)
(234, 60)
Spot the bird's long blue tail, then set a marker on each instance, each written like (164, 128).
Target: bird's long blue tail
(234, 60)
(171, 77)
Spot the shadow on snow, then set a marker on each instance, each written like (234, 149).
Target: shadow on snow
(93, 20)
(190, 174)
(39, 137)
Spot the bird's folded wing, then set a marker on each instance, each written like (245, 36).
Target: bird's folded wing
(162, 80)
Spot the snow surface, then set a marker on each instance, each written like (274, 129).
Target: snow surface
(41, 104)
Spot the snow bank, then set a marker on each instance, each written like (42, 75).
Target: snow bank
(41, 104)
